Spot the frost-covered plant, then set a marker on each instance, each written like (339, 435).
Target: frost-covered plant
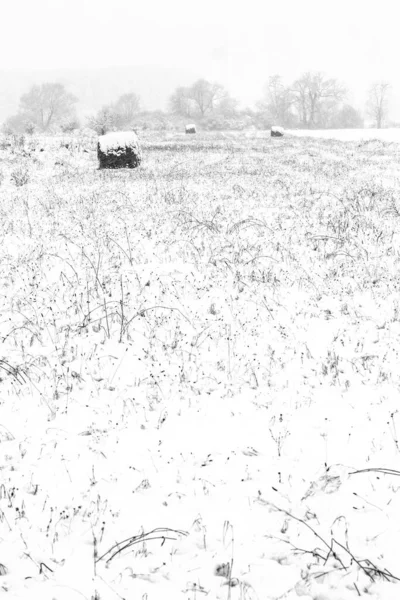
(20, 176)
(30, 128)
(17, 141)
(5, 143)
(246, 288)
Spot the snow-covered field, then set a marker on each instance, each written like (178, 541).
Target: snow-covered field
(346, 135)
(199, 364)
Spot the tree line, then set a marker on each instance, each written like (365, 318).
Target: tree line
(313, 101)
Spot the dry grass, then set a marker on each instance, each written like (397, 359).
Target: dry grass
(205, 349)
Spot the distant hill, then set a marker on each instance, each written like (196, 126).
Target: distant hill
(96, 87)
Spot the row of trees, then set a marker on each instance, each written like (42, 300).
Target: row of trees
(43, 107)
(312, 101)
(201, 99)
(50, 104)
(119, 115)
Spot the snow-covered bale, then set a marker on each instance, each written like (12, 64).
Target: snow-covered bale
(191, 128)
(277, 131)
(118, 150)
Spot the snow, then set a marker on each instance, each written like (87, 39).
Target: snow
(199, 373)
(118, 139)
(346, 135)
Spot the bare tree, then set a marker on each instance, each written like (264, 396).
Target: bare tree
(378, 102)
(206, 96)
(115, 116)
(126, 108)
(103, 121)
(202, 98)
(180, 103)
(47, 104)
(18, 124)
(228, 106)
(347, 117)
(316, 97)
(278, 102)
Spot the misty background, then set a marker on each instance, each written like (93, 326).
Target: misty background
(99, 50)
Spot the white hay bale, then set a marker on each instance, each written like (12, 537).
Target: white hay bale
(277, 131)
(118, 150)
(191, 128)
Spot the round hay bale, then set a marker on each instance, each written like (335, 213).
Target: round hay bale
(191, 128)
(277, 131)
(119, 150)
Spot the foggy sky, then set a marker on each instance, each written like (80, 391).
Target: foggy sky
(237, 44)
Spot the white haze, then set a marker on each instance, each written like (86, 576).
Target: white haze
(238, 44)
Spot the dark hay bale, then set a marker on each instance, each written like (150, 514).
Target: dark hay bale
(277, 131)
(190, 128)
(119, 150)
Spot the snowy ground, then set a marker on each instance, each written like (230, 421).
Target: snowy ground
(200, 370)
(346, 135)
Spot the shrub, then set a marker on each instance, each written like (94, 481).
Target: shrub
(69, 126)
(30, 128)
(103, 121)
(20, 176)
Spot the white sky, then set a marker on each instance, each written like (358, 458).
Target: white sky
(239, 44)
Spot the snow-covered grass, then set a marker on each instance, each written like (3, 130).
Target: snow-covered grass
(200, 370)
(346, 135)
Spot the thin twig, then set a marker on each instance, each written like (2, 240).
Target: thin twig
(136, 539)
(377, 470)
